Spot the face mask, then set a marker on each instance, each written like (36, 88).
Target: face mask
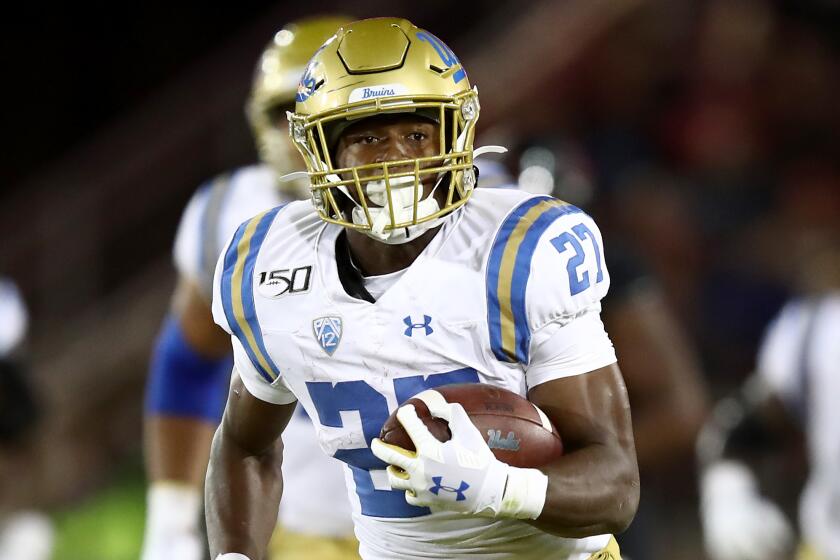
(402, 197)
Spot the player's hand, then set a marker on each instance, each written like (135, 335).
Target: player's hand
(738, 523)
(461, 474)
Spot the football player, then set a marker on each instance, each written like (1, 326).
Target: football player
(404, 277)
(794, 391)
(191, 365)
(25, 534)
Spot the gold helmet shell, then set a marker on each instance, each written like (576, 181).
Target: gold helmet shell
(377, 66)
(275, 83)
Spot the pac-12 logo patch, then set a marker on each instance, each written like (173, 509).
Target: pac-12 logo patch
(327, 332)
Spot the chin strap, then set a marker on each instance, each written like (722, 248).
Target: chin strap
(293, 176)
(478, 152)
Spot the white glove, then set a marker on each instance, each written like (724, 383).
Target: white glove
(738, 523)
(172, 531)
(26, 535)
(173, 545)
(461, 474)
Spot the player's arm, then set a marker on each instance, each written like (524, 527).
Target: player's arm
(594, 487)
(572, 375)
(244, 484)
(185, 392)
(244, 480)
(189, 368)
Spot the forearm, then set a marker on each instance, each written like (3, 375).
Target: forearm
(189, 378)
(242, 495)
(592, 490)
(594, 487)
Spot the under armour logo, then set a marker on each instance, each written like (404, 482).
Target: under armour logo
(426, 325)
(458, 491)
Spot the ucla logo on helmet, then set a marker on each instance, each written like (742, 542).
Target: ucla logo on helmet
(327, 332)
(445, 53)
(309, 82)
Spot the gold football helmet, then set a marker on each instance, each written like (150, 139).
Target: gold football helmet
(373, 67)
(276, 79)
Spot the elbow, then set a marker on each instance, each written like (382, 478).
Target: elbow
(626, 508)
(626, 499)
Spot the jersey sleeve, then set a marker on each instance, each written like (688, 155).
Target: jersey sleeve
(546, 277)
(14, 318)
(781, 353)
(235, 310)
(197, 239)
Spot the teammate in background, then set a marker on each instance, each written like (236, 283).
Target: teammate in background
(795, 391)
(24, 535)
(191, 365)
(417, 280)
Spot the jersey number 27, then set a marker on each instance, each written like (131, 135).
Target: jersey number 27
(579, 282)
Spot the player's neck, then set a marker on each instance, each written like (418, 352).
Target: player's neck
(374, 258)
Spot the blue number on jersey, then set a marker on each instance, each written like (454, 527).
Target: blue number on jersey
(584, 232)
(578, 284)
(330, 400)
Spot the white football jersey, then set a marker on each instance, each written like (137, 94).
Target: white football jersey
(211, 217)
(14, 318)
(800, 360)
(507, 293)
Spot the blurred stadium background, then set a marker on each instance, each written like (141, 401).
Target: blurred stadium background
(707, 132)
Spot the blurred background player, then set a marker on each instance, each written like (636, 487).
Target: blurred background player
(191, 364)
(28, 534)
(794, 393)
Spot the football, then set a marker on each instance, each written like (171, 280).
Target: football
(518, 433)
